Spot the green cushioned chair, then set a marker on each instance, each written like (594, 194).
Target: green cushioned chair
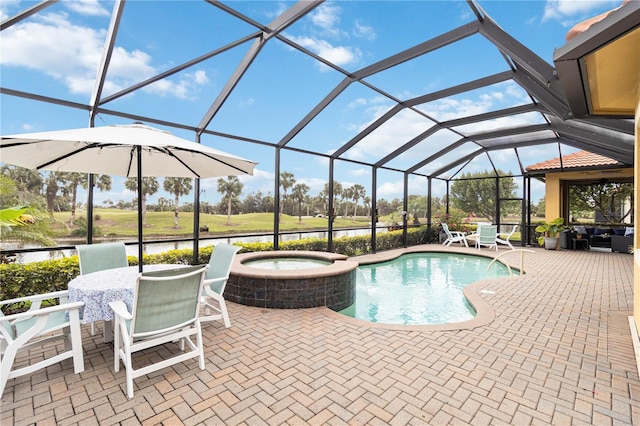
(166, 307)
(35, 327)
(215, 282)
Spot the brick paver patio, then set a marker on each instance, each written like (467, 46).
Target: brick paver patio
(556, 349)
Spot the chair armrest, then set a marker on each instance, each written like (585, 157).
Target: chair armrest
(62, 294)
(207, 284)
(120, 309)
(44, 311)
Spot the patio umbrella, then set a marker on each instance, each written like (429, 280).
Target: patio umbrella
(121, 151)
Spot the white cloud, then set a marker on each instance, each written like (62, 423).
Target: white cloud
(406, 125)
(260, 181)
(6, 5)
(356, 103)
(280, 8)
(183, 87)
(87, 7)
(52, 44)
(391, 189)
(360, 172)
(315, 184)
(565, 9)
(326, 22)
(340, 55)
(200, 77)
(364, 31)
(327, 18)
(246, 102)
(400, 129)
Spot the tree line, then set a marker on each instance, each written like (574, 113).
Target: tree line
(57, 191)
(472, 194)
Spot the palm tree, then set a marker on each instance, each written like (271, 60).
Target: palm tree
(299, 191)
(71, 181)
(163, 203)
(357, 192)
(230, 189)
(286, 182)
(27, 182)
(21, 224)
(177, 186)
(150, 186)
(337, 192)
(51, 191)
(347, 194)
(308, 202)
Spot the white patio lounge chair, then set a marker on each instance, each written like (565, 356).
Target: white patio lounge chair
(506, 241)
(215, 281)
(453, 236)
(36, 327)
(165, 309)
(487, 236)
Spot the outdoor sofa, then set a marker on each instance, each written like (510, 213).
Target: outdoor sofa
(617, 238)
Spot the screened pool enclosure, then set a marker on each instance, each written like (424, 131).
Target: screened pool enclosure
(326, 109)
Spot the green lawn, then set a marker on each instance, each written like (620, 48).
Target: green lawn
(115, 222)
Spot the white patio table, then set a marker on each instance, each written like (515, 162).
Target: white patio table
(97, 289)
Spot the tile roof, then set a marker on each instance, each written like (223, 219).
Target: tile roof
(580, 159)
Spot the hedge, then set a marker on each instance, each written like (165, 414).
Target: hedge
(19, 280)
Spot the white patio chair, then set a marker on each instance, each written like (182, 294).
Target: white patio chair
(35, 327)
(487, 236)
(215, 281)
(506, 241)
(98, 257)
(453, 236)
(165, 309)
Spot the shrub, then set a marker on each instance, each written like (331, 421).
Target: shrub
(20, 280)
(82, 226)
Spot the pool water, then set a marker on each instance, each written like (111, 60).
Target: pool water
(286, 263)
(420, 288)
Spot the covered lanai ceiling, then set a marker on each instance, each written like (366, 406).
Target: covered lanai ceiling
(436, 144)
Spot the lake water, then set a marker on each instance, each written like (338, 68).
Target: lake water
(132, 250)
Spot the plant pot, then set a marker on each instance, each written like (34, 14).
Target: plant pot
(551, 243)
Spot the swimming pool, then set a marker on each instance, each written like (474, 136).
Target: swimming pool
(419, 288)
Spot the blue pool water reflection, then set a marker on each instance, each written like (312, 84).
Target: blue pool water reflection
(420, 288)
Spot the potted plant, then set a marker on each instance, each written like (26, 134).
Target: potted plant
(550, 233)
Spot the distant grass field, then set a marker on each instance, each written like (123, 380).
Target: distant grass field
(116, 222)
(124, 223)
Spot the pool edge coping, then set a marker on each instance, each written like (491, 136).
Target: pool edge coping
(340, 264)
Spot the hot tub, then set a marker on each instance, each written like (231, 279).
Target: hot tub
(327, 279)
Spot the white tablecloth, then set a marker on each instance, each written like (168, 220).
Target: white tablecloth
(97, 289)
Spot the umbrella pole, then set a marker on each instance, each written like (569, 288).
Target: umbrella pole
(140, 234)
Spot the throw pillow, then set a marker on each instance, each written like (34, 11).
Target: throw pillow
(628, 231)
(618, 231)
(580, 229)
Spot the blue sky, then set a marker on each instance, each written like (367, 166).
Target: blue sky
(56, 53)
